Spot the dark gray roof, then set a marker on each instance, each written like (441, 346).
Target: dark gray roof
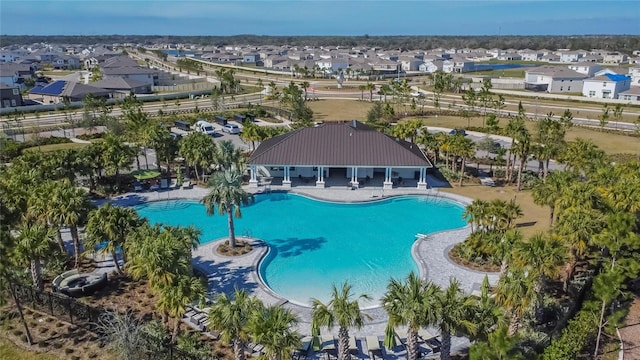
(128, 70)
(118, 83)
(338, 144)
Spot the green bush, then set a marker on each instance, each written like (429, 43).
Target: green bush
(575, 337)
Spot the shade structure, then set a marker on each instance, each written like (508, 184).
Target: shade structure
(145, 174)
(389, 337)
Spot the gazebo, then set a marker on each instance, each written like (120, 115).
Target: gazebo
(349, 150)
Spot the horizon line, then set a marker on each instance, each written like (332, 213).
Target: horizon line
(326, 35)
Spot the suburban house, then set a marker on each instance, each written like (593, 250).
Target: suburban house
(554, 79)
(139, 74)
(122, 87)
(570, 56)
(10, 96)
(457, 64)
(633, 94)
(60, 91)
(431, 66)
(606, 86)
(634, 72)
(333, 65)
(9, 76)
(614, 58)
(339, 154)
(66, 62)
(531, 55)
(250, 58)
(588, 69)
(509, 56)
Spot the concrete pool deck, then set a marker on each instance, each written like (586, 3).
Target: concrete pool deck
(226, 273)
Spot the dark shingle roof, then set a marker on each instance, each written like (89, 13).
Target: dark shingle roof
(128, 70)
(118, 83)
(338, 144)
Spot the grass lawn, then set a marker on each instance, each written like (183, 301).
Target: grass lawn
(334, 110)
(54, 147)
(59, 72)
(9, 351)
(516, 73)
(535, 218)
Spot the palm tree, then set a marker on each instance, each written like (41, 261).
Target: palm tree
(465, 148)
(228, 196)
(341, 310)
(228, 156)
(370, 87)
(174, 298)
(405, 302)
(476, 213)
(451, 315)
(231, 318)
(109, 225)
(486, 313)
(514, 292)
(72, 207)
(499, 346)
(35, 243)
(548, 192)
(198, 150)
(542, 257)
(273, 328)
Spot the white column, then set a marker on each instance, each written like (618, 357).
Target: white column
(387, 179)
(354, 177)
(254, 178)
(286, 182)
(422, 183)
(320, 179)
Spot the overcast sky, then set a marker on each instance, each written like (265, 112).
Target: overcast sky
(318, 17)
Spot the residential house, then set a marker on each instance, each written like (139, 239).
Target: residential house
(531, 55)
(250, 58)
(116, 61)
(554, 79)
(614, 58)
(431, 66)
(588, 69)
(66, 62)
(270, 60)
(458, 64)
(7, 56)
(333, 65)
(549, 57)
(10, 96)
(607, 86)
(9, 75)
(633, 94)
(634, 72)
(570, 56)
(140, 74)
(122, 87)
(410, 63)
(510, 56)
(60, 91)
(592, 58)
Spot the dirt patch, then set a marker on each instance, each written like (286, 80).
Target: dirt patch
(242, 248)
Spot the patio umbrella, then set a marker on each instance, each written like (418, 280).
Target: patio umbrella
(389, 337)
(315, 333)
(145, 174)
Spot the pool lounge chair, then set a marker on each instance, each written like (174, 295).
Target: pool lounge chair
(373, 345)
(329, 346)
(164, 184)
(353, 347)
(303, 350)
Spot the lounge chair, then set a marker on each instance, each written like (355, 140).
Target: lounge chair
(186, 183)
(164, 184)
(373, 345)
(329, 346)
(303, 350)
(173, 184)
(425, 335)
(353, 347)
(137, 187)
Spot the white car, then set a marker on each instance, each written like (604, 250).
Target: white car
(416, 94)
(231, 128)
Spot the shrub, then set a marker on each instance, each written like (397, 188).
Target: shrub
(68, 351)
(575, 337)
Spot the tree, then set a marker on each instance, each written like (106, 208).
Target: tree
(371, 87)
(465, 148)
(470, 99)
(273, 328)
(231, 318)
(184, 290)
(514, 292)
(485, 98)
(451, 315)
(226, 194)
(109, 226)
(229, 157)
(116, 155)
(499, 346)
(341, 310)
(604, 117)
(72, 206)
(405, 302)
(547, 193)
(35, 243)
(486, 313)
(198, 150)
(542, 257)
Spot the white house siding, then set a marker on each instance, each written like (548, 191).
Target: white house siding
(604, 89)
(565, 85)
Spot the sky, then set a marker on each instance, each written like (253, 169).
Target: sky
(319, 17)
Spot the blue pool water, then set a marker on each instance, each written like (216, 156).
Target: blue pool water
(315, 244)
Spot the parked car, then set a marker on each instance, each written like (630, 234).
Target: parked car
(231, 128)
(204, 127)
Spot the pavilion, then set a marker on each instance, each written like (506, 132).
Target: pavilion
(341, 150)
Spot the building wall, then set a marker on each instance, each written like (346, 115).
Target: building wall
(597, 89)
(565, 85)
(10, 98)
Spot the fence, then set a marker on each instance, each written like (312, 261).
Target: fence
(87, 317)
(184, 87)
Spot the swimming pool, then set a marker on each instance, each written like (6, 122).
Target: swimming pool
(314, 244)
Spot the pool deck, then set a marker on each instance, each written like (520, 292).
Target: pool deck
(227, 273)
